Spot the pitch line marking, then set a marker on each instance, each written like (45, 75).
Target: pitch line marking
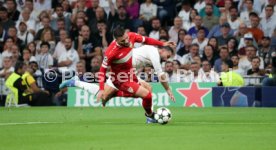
(26, 123)
(229, 123)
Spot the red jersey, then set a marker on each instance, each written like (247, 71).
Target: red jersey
(119, 58)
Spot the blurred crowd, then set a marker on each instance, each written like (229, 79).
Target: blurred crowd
(70, 36)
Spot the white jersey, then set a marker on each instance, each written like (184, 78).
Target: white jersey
(145, 55)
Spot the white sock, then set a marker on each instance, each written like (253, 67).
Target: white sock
(89, 87)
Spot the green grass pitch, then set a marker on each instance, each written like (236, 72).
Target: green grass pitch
(61, 128)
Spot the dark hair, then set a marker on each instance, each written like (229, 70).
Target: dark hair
(223, 48)
(13, 27)
(204, 55)
(185, 3)
(205, 60)
(266, 37)
(251, 1)
(194, 44)
(216, 46)
(60, 19)
(29, 1)
(101, 21)
(209, 5)
(167, 48)
(18, 65)
(194, 63)
(201, 28)
(229, 63)
(3, 9)
(58, 6)
(256, 57)
(181, 30)
(9, 38)
(177, 61)
(164, 29)
(233, 7)
(27, 50)
(168, 62)
(141, 26)
(254, 14)
(118, 32)
(45, 43)
(235, 42)
(190, 18)
(251, 46)
(271, 6)
(148, 65)
(235, 55)
(14, 2)
(163, 38)
(154, 18)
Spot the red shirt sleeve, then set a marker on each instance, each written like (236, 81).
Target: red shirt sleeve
(102, 77)
(147, 40)
(102, 72)
(152, 41)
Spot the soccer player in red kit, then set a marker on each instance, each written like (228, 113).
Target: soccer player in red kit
(119, 57)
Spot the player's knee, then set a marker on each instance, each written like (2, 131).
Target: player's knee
(149, 88)
(148, 96)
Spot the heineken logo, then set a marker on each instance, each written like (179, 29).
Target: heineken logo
(85, 99)
(186, 94)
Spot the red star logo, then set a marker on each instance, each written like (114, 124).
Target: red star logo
(193, 95)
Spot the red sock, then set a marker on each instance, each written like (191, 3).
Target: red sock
(147, 103)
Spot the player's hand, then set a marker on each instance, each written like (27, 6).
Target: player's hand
(170, 43)
(99, 96)
(171, 95)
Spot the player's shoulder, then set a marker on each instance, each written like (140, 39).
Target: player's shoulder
(111, 49)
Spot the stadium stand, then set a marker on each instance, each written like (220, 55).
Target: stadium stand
(204, 30)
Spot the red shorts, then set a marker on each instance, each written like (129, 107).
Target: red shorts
(129, 87)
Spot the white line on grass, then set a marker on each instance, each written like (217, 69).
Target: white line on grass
(230, 123)
(26, 123)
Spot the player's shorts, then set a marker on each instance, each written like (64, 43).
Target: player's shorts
(130, 87)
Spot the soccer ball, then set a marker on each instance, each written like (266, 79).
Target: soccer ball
(163, 115)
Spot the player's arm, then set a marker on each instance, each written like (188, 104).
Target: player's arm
(150, 41)
(164, 81)
(102, 76)
(155, 60)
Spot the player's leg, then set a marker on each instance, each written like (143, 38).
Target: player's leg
(139, 91)
(121, 93)
(145, 85)
(109, 92)
(146, 96)
(90, 87)
(75, 82)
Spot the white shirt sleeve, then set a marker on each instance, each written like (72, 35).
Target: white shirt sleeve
(155, 59)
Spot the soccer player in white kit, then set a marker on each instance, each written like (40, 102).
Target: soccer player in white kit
(141, 56)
